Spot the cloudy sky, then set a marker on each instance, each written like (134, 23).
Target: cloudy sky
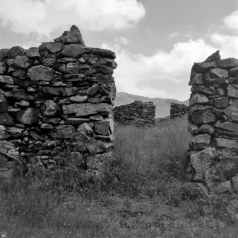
(156, 41)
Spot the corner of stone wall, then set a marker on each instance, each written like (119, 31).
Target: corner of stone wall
(56, 97)
(213, 123)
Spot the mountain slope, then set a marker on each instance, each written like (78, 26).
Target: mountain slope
(162, 105)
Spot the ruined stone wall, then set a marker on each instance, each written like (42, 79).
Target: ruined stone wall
(56, 95)
(213, 122)
(178, 110)
(137, 112)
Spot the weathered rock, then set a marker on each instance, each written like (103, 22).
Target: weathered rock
(105, 127)
(6, 119)
(232, 91)
(104, 78)
(233, 72)
(3, 133)
(3, 67)
(74, 51)
(222, 102)
(225, 143)
(6, 79)
(193, 129)
(52, 90)
(202, 117)
(21, 62)
(198, 99)
(28, 117)
(50, 109)
(33, 53)
(22, 103)
(103, 69)
(214, 57)
(51, 47)
(203, 67)
(206, 128)
(3, 104)
(71, 37)
(96, 146)
(103, 52)
(19, 94)
(85, 129)
(86, 109)
(9, 150)
(76, 120)
(41, 73)
(70, 91)
(229, 126)
(228, 63)
(15, 51)
(201, 141)
(201, 161)
(46, 126)
(93, 90)
(231, 113)
(215, 75)
(4, 53)
(78, 99)
(65, 132)
(204, 90)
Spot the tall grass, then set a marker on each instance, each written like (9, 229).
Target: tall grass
(141, 195)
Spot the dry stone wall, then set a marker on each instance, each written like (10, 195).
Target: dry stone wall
(178, 110)
(56, 95)
(137, 112)
(213, 122)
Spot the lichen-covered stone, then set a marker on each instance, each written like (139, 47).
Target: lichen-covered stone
(21, 62)
(226, 143)
(93, 90)
(198, 99)
(203, 67)
(222, 102)
(41, 73)
(201, 161)
(231, 113)
(50, 109)
(201, 141)
(202, 117)
(74, 51)
(228, 63)
(6, 79)
(15, 51)
(215, 75)
(206, 128)
(52, 47)
(28, 116)
(33, 53)
(232, 91)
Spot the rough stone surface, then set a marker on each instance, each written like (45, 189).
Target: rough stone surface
(51, 97)
(213, 122)
(135, 113)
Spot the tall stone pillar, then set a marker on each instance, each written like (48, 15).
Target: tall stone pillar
(55, 97)
(213, 123)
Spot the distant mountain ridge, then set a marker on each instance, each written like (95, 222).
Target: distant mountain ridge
(162, 105)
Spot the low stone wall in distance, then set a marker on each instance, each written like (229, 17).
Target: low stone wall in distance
(137, 112)
(178, 110)
(213, 122)
(55, 96)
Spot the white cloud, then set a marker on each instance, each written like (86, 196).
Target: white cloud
(153, 76)
(231, 21)
(44, 17)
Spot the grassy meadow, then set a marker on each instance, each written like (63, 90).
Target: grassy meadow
(144, 194)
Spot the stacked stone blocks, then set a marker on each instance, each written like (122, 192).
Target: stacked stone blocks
(138, 112)
(213, 122)
(59, 93)
(178, 110)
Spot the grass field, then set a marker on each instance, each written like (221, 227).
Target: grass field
(144, 194)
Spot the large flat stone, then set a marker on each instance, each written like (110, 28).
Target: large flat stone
(202, 117)
(74, 51)
(229, 126)
(200, 68)
(52, 47)
(204, 90)
(6, 79)
(228, 63)
(232, 91)
(29, 116)
(33, 53)
(225, 143)
(105, 127)
(87, 109)
(231, 113)
(201, 141)
(19, 94)
(215, 75)
(71, 37)
(41, 73)
(201, 161)
(198, 99)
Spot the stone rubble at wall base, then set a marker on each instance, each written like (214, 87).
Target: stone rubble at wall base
(138, 112)
(59, 93)
(213, 122)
